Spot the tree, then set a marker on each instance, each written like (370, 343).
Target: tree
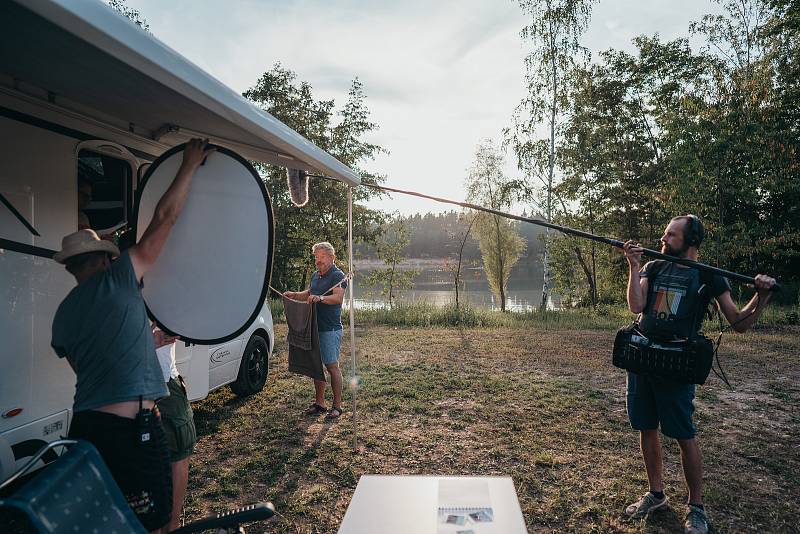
(131, 14)
(666, 131)
(500, 244)
(324, 218)
(390, 249)
(460, 236)
(554, 32)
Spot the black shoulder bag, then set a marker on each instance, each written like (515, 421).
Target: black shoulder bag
(687, 360)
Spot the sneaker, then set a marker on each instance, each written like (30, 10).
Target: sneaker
(644, 506)
(696, 521)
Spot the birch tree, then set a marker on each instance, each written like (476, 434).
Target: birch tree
(554, 35)
(500, 244)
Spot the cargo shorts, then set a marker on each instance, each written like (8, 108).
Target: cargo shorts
(178, 420)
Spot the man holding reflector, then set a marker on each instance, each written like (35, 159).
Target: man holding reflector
(102, 328)
(671, 300)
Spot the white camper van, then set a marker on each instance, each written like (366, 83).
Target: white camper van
(87, 96)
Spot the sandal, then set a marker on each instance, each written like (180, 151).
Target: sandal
(334, 413)
(315, 409)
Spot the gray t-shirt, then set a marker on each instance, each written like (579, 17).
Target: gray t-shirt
(101, 327)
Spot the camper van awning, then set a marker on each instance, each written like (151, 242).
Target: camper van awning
(86, 53)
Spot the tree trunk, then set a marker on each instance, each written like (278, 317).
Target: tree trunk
(551, 162)
(391, 285)
(587, 272)
(458, 276)
(461, 256)
(593, 281)
(501, 263)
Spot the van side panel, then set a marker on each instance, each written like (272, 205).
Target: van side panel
(192, 364)
(38, 177)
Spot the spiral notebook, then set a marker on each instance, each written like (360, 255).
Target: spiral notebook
(465, 507)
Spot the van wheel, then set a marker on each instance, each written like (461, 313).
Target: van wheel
(253, 369)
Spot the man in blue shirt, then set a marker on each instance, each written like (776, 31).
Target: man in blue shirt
(101, 328)
(327, 292)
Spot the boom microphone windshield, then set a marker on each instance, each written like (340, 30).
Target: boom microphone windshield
(298, 186)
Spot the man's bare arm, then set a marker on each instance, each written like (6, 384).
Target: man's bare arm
(336, 298)
(144, 253)
(742, 320)
(637, 286)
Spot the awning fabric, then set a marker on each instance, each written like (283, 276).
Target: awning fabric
(86, 53)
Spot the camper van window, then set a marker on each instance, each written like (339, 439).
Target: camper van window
(105, 191)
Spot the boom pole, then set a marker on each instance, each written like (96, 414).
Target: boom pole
(579, 233)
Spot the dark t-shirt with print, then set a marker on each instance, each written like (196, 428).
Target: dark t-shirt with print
(677, 299)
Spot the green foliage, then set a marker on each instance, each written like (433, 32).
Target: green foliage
(390, 247)
(605, 317)
(667, 131)
(324, 218)
(501, 246)
(554, 34)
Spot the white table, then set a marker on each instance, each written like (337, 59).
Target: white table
(409, 504)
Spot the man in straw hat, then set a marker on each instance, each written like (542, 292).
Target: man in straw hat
(102, 328)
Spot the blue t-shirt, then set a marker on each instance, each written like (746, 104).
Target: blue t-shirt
(329, 316)
(102, 329)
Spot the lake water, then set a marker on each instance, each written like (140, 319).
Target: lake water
(434, 284)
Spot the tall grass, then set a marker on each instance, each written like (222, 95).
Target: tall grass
(423, 314)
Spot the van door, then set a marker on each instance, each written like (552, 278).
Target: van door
(224, 363)
(192, 362)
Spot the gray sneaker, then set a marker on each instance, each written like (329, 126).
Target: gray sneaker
(644, 506)
(696, 521)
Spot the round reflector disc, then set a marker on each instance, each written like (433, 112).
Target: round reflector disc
(211, 278)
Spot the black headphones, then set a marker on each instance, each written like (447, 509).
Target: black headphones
(693, 232)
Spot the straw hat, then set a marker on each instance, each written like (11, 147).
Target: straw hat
(81, 242)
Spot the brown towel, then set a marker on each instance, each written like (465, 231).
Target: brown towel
(303, 339)
(299, 317)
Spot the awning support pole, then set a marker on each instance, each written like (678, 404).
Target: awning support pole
(354, 377)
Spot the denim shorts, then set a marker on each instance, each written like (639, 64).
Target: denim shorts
(653, 402)
(330, 343)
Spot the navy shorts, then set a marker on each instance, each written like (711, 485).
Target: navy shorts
(654, 403)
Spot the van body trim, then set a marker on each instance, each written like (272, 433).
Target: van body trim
(19, 216)
(24, 248)
(64, 130)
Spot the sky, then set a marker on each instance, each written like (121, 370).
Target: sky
(439, 76)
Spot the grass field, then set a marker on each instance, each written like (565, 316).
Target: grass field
(542, 406)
